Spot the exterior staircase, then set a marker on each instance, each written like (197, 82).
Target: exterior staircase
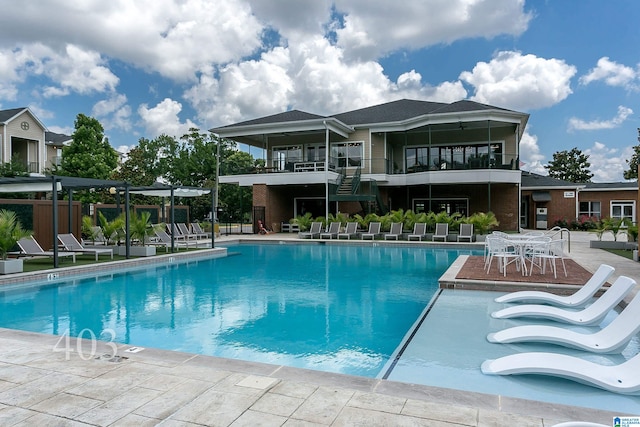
(351, 189)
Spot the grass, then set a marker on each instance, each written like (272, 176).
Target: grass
(46, 263)
(621, 252)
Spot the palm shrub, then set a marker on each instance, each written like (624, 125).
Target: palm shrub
(483, 222)
(363, 222)
(88, 230)
(10, 232)
(303, 221)
(140, 227)
(613, 225)
(112, 230)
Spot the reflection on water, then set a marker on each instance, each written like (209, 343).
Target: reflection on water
(334, 308)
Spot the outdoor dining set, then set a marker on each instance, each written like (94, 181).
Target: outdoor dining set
(527, 251)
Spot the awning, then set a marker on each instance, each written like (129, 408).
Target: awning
(163, 190)
(541, 196)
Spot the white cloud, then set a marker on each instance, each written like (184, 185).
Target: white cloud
(579, 124)
(175, 39)
(608, 164)
(612, 73)
(114, 112)
(530, 155)
(520, 82)
(163, 119)
(372, 29)
(310, 76)
(70, 70)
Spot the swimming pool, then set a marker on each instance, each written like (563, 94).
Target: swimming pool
(335, 308)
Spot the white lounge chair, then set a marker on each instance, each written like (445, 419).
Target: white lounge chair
(71, 244)
(578, 299)
(196, 229)
(395, 232)
(623, 378)
(164, 240)
(29, 246)
(351, 230)
(442, 231)
(314, 231)
(466, 232)
(332, 231)
(419, 231)
(184, 231)
(374, 231)
(613, 338)
(591, 315)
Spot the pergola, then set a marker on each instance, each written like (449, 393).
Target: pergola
(56, 183)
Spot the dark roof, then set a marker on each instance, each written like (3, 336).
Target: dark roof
(8, 114)
(466, 106)
(632, 185)
(389, 112)
(56, 138)
(288, 116)
(530, 179)
(393, 111)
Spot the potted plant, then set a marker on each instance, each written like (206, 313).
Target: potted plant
(141, 230)
(10, 232)
(482, 223)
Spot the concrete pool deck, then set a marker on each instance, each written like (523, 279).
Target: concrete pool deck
(40, 385)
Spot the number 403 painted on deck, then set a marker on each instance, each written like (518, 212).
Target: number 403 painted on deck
(64, 343)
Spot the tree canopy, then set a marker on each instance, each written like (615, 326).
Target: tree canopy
(191, 161)
(572, 165)
(89, 155)
(632, 172)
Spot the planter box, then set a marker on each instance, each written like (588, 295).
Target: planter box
(600, 244)
(137, 250)
(480, 237)
(11, 266)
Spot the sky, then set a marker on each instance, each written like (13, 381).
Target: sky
(149, 67)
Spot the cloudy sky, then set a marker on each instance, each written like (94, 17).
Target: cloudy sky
(148, 67)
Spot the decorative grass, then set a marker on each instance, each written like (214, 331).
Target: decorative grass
(621, 252)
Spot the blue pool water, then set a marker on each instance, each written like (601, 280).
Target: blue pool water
(336, 308)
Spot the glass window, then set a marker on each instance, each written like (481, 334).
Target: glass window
(347, 153)
(284, 157)
(623, 210)
(590, 209)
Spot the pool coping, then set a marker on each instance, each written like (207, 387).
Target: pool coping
(76, 270)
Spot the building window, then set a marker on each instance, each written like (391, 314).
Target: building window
(590, 209)
(462, 156)
(623, 210)
(449, 206)
(347, 153)
(283, 158)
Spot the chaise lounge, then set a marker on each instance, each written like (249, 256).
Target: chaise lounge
(71, 244)
(613, 338)
(591, 315)
(578, 299)
(29, 246)
(622, 378)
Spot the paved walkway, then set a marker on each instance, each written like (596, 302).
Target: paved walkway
(42, 386)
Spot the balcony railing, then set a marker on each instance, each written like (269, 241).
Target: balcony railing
(386, 166)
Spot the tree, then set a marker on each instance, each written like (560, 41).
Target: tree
(570, 166)
(88, 156)
(632, 172)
